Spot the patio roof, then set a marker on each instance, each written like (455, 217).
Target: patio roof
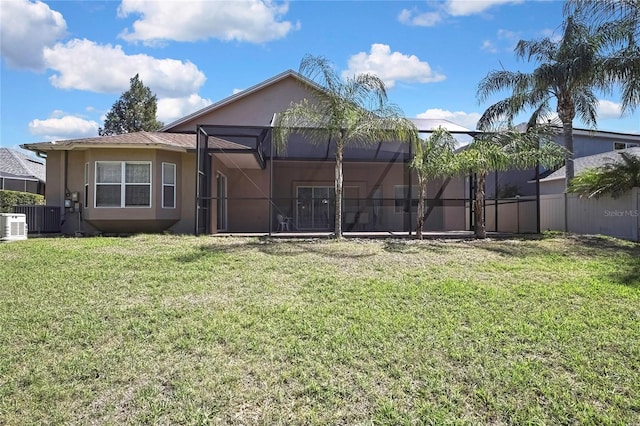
(241, 140)
(427, 125)
(169, 141)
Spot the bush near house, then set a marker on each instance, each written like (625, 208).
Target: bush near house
(8, 199)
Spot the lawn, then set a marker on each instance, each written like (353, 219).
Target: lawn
(195, 330)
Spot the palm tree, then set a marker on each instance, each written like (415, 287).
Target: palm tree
(506, 150)
(614, 178)
(619, 20)
(432, 158)
(354, 111)
(568, 72)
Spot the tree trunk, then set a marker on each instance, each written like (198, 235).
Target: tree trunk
(480, 230)
(420, 213)
(567, 137)
(338, 192)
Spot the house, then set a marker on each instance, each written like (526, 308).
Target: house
(555, 182)
(586, 143)
(569, 212)
(20, 172)
(216, 170)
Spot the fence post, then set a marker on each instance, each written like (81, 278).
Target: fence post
(635, 204)
(566, 212)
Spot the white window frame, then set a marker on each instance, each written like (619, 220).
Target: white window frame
(123, 185)
(625, 145)
(164, 184)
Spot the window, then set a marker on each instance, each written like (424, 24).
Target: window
(624, 145)
(400, 193)
(86, 184)
(168, 185)
(123, 184)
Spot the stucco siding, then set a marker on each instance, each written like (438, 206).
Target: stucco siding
(254, 110)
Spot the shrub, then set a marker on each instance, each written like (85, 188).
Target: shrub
(8, 199)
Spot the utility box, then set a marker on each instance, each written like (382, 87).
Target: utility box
(13, 226)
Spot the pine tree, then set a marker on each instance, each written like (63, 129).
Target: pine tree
(134, 111)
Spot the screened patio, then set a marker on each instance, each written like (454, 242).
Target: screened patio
(261, 188)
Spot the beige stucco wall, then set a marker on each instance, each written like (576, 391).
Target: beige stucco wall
(54, 192)
(256, 109)
(89, 219)
(186, 180)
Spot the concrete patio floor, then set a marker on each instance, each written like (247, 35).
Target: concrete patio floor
(433, 235)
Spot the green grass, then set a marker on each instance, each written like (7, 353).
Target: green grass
(197, 330)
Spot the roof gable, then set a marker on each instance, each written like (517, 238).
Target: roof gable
(255, 96)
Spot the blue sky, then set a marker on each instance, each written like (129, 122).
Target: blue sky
(64, 63)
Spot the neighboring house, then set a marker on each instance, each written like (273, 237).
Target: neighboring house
(20, 172)
(569, 212)
(555, 182)
(586, 143)
(216, 171)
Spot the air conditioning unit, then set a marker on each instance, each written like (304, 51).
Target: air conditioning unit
(13, 226)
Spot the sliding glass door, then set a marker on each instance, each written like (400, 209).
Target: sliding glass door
(315, 207)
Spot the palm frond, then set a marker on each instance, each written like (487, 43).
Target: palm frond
(540, 50)
(613, 178)
(302, 118)
(585, 102)
(320, 70)
(511, 148)
(433, 157)
(497, 81)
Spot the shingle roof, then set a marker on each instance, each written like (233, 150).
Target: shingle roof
(583, 163)
(180, 141)
(14, 164)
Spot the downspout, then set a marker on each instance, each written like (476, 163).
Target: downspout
(66, 189)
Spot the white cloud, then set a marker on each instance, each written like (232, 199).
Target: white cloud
(608, 109)
(86, 65)
(418, 19)
(506, 40)
(25, 29)
(254, 21)
(464, 119)
(171, 109)
(488, 46)
(468, 7)
(553, 35)
(60, 127)
(391, 66)
(442, 10)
